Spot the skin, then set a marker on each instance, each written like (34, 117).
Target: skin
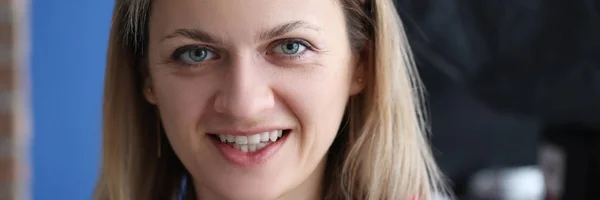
(250, 82)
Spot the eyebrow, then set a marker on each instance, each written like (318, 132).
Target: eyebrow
(203, 36)
(195, 34)
(285, 28)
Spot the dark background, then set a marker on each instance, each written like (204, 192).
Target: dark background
(505, 75)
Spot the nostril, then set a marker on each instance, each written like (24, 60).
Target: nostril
(220, 105)
(247, 101)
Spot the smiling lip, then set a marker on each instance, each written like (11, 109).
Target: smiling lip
(249, 159)
(237, 132)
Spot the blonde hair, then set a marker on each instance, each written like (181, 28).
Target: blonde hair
(383, 153)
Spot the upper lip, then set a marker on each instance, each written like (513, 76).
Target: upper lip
(245, 132)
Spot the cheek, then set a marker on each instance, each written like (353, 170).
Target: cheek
(318, 99)
(324, 92)
(182, 101)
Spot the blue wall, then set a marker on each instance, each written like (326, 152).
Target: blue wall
(69, 39)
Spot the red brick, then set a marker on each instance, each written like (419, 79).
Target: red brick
(6, 35)
(6, 77)
(11, 172)
(7, 167)
(6, 124)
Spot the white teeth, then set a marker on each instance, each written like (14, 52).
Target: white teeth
(251, 143)
(273, 136)
(264, 137)
(254, 139)
(230, 138)
(252, 147)
(261, 145)
(241, 139)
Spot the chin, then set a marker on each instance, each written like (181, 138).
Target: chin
(264, 191)
(251, 196)
(245, 187)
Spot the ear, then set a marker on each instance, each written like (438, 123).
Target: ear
(149, 92)
(359, 77)
(358, 81)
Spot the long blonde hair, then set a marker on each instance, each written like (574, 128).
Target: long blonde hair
(382, 153)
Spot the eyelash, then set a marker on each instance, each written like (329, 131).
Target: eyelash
(176, 56)
(302, 42)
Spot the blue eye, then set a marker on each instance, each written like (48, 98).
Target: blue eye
(290, 48)
(196, 55)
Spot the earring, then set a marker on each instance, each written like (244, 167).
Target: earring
(360, 80)
(158, 134)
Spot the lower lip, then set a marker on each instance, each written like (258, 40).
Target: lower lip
(249, 159)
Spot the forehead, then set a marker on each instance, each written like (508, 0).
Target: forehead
(238, 18)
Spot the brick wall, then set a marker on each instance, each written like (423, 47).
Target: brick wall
(14, 120)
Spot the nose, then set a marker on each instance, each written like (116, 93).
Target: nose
(245, 92)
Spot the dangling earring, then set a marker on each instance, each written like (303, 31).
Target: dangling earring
(158, 134)
(360, 80)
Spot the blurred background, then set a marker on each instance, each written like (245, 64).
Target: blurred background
(52, 60)
(513, 92)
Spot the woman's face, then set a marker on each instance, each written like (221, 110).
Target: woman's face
(251, 93)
